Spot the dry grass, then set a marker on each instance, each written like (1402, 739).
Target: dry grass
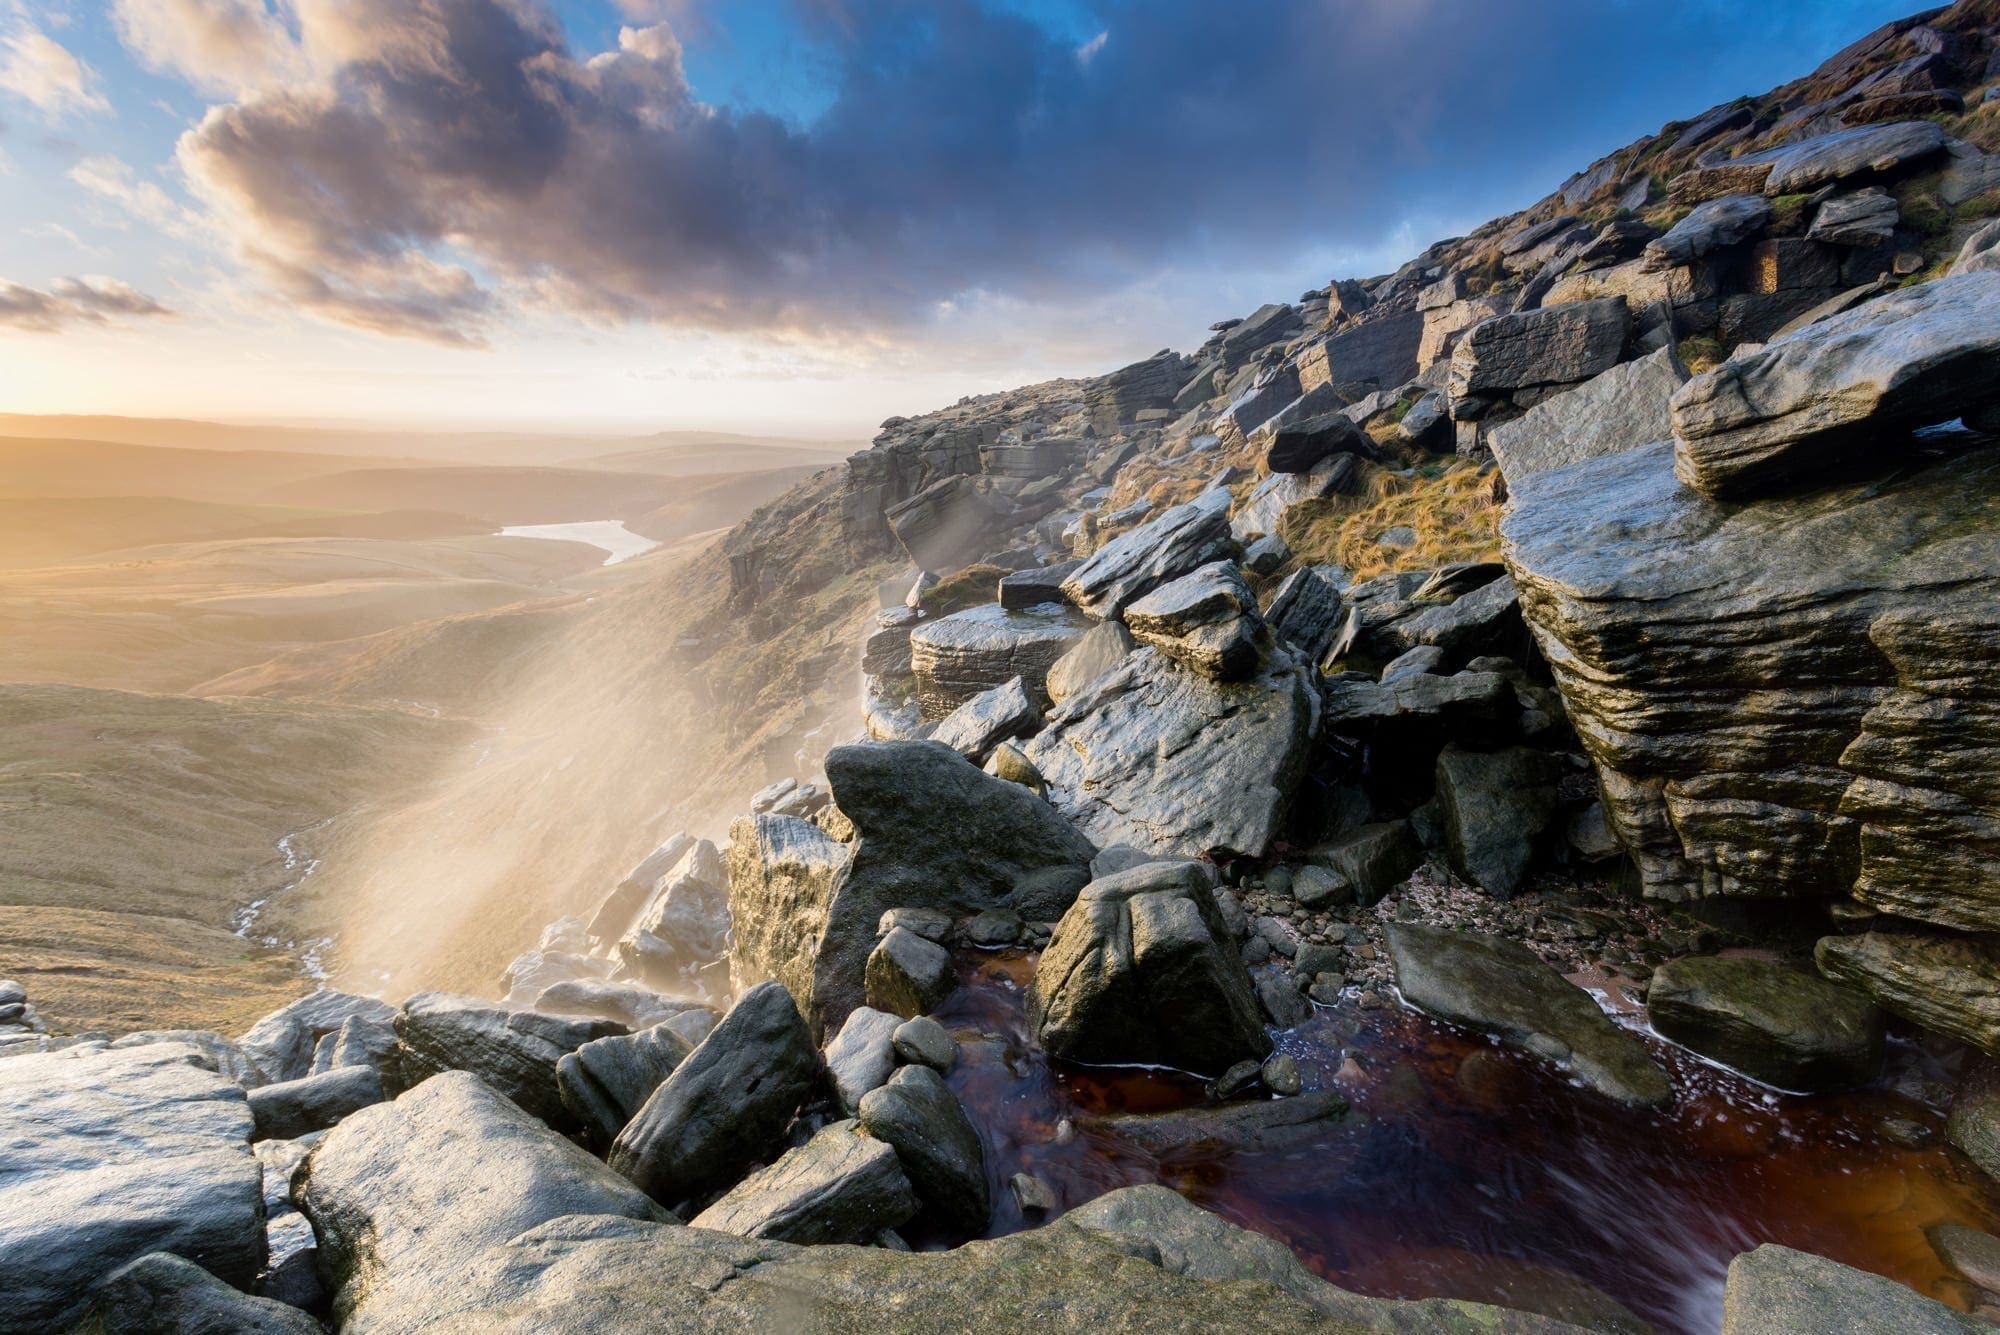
(970, 587)
(1451, 508)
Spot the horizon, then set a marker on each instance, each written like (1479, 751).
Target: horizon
(765, 216)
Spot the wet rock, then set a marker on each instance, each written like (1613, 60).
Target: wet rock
(1306, 611)
(1295, 447)
(1848, 154)
(108, 1155)
(1495, 808)
(160, 1294)
(1554, 346)
(280, 1046)
(1140, 970)
(1265, 1126)
(1973, 1126)
(907, 975)
(726, 1105)
(1711, 226)
(861, 1057)
(515, 1052)
(1031, 588)
(628, 1005)
(1374, 860)
(1101, 649)
(968, 653)
(925, 1042)
(1625, 407)
(919, 1116)
(1133, 564)
(1002, 714)
(1280, 1075)
(291, 1108)
(1035, 1197)
(1950, 984)
(1499, 987)
(1774, 1024)
(1973, 1254)
(1170, 762)
(607, 1080)
(783, 874)
(405, 1195)
(1283, 1006)
(840, 1186)
(1837, 393)
(1206, 621)
(1777, 1291)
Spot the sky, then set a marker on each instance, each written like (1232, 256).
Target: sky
(770, 215)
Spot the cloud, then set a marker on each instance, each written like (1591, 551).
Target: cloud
(222, 46)
(113, 179)
(91, 299)
(40, 70)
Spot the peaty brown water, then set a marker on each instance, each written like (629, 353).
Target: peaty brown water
(1467, 1171)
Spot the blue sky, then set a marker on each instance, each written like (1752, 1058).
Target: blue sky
(765, 212)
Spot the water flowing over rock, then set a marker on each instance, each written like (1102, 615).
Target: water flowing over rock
(1774, 1024)
(1500, 987)
(1170, 762)
(106, 1156)
(840, 1186)
(1133, 564)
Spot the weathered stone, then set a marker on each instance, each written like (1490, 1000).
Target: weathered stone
(726, 1105)
(1206, 621)
(1135, 563)
(1835, 394)
(1496, 807)
(861, 1057)
(1294, 447)
(1263, 1126)
(1719, 223)
(515, 1052)
(1975, 1255)
(1273, 390)
(1980, 253)
(1869, 150)
(1774, 1024)
(1947, 983)
(614, 917)
(783, 875)
(1864, 218)
(1171, 762)
(1306, 611)
(291, 1108)
(1031, 588)
(919, 1116)
(529, 974)
(1321, 887)
(161, 1294)
(958, 657)
(1623, 408)
(923, 1041)
(1102, 648)
(907, 975)
(1555, 346)
(280, 1046)
(1121, 396)
(1500, 987)
(106, 1156)
(1974, 1122)
(840, 1186)
(1140, 970)
(1374, 860)
(1264, 326)
(1265, 510)
(627, 1005)
(1777, 1291)
(1376, 352)
(607, 1080)
(405, 1195)
(948, 524)
(1002, 714)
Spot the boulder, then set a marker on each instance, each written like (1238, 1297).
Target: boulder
(1774, 1024)
(1784, 698)
(361, 1040)
(840, 1186)
(1031, 588)
(1973, 1126)
(1373, 860)
(1502, 988)
(1950, 984)
(1171, 762)
(1135, 563)
(1121, 396)
(907, 975)
(726, 1105)
(1376, 352)
(1306, 610)
(988, 719)
(292, 1108)
(160, 1294)
(1554, 346)
(861, 1057)
(1268, 324)
(917, 1114)
(1102, 648)
(1972, 1253)
(605, 1082)
(1142, 970)
(1623, 408)
(280, 1046)
(688, 914)
(1711, 226)
(515, 1052)
(1495, 808)
(530, 974)
(627, 1005)
(1842, 393)
(1262, 1126)
(1869, 150)
(783, 874)
(963, 655)
(405, 1195)
(106, 1156)
(1206, 621)
(1274, 389)
(1264, 512)
(924, 1042)
(1980, 253)
(1777, 1291)
(614, 916)
(1864, 218)
(1294, 447)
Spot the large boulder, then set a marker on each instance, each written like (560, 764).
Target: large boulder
(1554, 346)
(160, 1294)
(1778, 1291)
(292, 1108)
(917, 1114)
(405, 1195)
(988, 719)
(1842, 393)
(106, 1156)
(1121, 396)
(1380, 351)
(1621, 409)
(688, 916)
(1502, 988)
(1143, 969)
(963, 655)
(1784, 699)
(726, 1105)
(1867, 150)
(1774, 1024)
(605, 1082)
(1206, 621)
(1171, 762)
(1948, 983)
(1135, 563)
(280, 1046)
(783, 873)
(515, 1052)
(840, 1186)
(1495, 808)
(1711, 226)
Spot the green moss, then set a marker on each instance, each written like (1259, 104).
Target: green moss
(1788, 214)
(973, 586)
(1700, 352)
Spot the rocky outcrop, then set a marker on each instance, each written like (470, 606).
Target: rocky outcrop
(1153, 755)
(1141, 970)
(1947, 983)
(106, 1156)
(840, 1186)
(961, 656)
(280, 1046)
(1499, 987)
(1133, 564)
(1558, 345)
(1774, 1024)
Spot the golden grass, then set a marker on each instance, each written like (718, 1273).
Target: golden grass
(970, 587)
(1452, 511)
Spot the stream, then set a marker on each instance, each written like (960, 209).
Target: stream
(1465, 1170)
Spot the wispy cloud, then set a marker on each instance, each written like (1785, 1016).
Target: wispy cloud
(40, 70)
(112, 179)
(220, 46)
(92, 299)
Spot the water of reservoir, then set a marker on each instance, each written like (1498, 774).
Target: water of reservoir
(607, 535)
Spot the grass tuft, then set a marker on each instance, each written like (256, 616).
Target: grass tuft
(1449, 504)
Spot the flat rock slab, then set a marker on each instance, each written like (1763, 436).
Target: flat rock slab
(840, 1186)
(1777, 1291)
(1500, 987)
(1864, 151)
(1624, 408)
(1207, 621)
(1133, 564)
(1173, 763)
(106, 1156)
(1553, 346)
(1260, 1126)
(1785, 1028)
(968, 653)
